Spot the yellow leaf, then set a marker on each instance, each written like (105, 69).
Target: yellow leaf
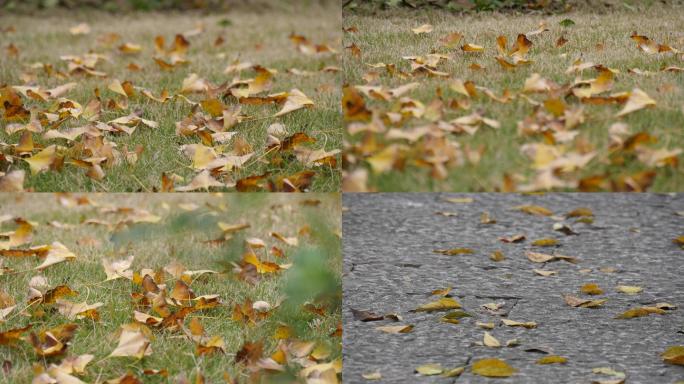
(534, 210)
(384, 160)
(545, 242)
(472, 48)
(591, 289)
(116, 87)
(396, 328)
(640, 312)
(130, 48)
(425, 28)
(674, 355)
(442, 304)
(580, 212)
(552, 359)
(295, 100)
(42, 160)
(492, 368)
(372, 376)
(80, 29)
(629, 289)
(638, 99)
(57, 253)
(430, 369)
(132, 343)
(490, 341)
(513, 323)
(497, 256)
(455, 251)
(454, 372)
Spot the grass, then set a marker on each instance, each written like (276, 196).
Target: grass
(187, 221)
(386, 36)
(258, 35)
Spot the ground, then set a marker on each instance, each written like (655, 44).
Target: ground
(158, 231)
(253, 36)
(390, 267)
(536, 145)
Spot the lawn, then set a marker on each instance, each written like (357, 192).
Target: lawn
(177, 273)
(437, 101)
(246, 100)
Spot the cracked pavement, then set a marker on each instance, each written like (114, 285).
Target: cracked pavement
(390, 267)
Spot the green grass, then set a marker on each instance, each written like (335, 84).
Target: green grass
(257, 35)
(387, 36)
(178, 236)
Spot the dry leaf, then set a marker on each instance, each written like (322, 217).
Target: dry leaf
(492, 368)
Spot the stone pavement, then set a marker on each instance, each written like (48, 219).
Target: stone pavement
(390, 267)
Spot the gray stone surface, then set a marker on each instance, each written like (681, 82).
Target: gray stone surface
(390, 267)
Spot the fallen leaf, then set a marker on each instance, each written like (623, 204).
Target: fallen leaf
(445, 303)
(430, 369)
(674, 355)
(425, 28)
(552, 359)
(591, 289)
(395, 328)
(513, 323)
(492, 368)
(491, 341)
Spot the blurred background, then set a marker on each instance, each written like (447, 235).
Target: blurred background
(503, 5)
(151, 5)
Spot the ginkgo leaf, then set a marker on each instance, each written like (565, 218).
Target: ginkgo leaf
(674, 355)
(472, 48)
(490, 341)
(640, 311)
(80, 29)
(544, 258)
(13, 181)
(629, 289)
(452, 317)
(133, 343)
(115, 86)
(513, 323)
(591, 289)
(454, 372)
(372, 375)
(203, 180)
(42, 160)
(57, 253)
(444, 303)
(296, 100)
(638, 100)
(118, 268)
(425, 28)
(77, 310)
(485, 325)
(552, 359)
(492, 368)
(454, 251)
(534, 210)
(575, 301)
(430, 369)
(545, 242)
(395, 328)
